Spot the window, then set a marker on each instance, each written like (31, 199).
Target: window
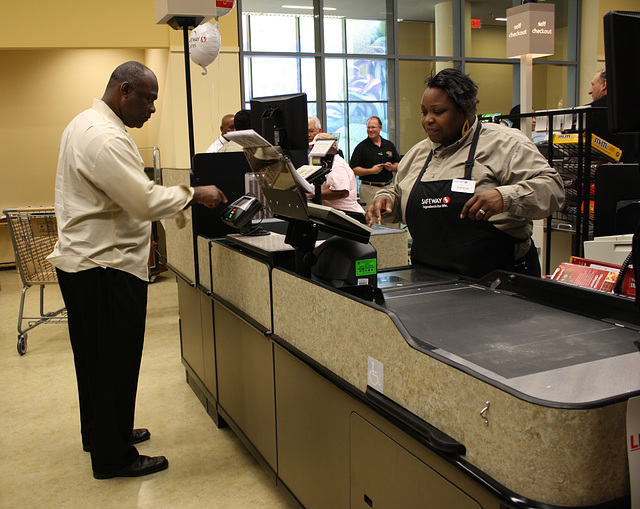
(371, 57)
(354, 78)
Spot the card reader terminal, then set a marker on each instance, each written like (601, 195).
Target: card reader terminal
(241, 211)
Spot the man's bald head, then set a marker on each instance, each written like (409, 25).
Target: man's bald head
(131, 92)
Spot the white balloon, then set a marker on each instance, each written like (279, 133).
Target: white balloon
(204, 45)
(224, 7)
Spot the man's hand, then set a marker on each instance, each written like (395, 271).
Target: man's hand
(209, 196)
(483, 205)
(376, 207)
(361, 171)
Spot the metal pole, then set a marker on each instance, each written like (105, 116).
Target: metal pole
(187, 75)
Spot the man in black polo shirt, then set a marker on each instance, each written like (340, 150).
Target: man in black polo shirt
(374, 160)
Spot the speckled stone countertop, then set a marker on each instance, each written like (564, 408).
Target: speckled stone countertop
(558, 456)
(527, 440)
(179, 241)
(390, 243)
(243, 282)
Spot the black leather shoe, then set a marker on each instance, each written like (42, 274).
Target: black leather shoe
(143, 465)
(137, 436)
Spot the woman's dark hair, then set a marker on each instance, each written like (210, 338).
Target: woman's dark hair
(242, 120)
(458, 86)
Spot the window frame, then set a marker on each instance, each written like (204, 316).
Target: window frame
(393, 59)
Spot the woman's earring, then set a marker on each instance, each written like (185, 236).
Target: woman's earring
(465, 127)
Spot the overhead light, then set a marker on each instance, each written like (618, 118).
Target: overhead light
(308, 7)
(501, 19)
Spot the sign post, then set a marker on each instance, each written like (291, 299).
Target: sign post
(530, 34)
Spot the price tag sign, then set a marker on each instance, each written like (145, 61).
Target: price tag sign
(633, 449)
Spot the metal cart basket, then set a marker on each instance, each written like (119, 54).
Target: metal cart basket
(34, 233)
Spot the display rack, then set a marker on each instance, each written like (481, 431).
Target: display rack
(567, 130)
(566, 161)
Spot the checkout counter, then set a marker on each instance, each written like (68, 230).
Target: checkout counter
(509, 392)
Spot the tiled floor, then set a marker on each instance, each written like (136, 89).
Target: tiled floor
(42, 464)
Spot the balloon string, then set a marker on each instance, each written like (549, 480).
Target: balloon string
(213, 105)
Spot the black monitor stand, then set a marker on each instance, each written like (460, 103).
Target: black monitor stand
(302, 235)
(615, 183)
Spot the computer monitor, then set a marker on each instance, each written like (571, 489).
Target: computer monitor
(617, 186)
(282, 120)
(621, 43)
(226, 171)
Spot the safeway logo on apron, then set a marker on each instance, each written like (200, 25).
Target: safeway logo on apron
(436, 203)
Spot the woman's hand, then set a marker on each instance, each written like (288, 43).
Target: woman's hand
(377, 207)
(483, 205)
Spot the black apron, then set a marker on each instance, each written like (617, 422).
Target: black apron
(444, 241)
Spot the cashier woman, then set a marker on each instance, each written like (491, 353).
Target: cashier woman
(469, 192)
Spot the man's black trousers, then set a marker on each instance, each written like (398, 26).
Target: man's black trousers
(106, 309)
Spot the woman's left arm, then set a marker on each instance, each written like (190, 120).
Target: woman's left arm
(529, 187)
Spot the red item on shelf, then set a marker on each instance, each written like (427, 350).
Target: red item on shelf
(594, 274)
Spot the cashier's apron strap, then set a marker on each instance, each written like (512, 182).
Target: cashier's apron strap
(468, 165)
(444, 241)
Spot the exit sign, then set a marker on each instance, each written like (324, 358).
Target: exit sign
(476, 23)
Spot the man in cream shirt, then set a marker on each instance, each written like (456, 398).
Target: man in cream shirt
(104, 207)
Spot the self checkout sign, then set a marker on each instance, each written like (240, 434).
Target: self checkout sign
(633, 449)
(530, 30)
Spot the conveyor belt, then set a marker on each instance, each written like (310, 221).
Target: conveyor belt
(509, 336)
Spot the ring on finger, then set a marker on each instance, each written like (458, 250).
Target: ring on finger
(482, 212)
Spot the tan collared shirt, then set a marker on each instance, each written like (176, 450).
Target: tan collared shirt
(505, 160)
(104, 201)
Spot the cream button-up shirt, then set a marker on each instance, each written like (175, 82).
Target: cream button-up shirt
(104, 201)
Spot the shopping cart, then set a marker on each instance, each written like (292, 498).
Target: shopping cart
(34, 233)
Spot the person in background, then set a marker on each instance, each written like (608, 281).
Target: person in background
(375, 161)
(241, 122)
(104, 206)
(469, 192)
(315, 127)
(339, 190)
(226, 125)
(536, 136)
(515, 121)
(600, 121)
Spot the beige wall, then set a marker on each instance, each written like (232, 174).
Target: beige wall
(81, 24)
(410, 89)
(416, 38)
(52, 70)
(41, 92)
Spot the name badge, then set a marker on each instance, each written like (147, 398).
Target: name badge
(463, 186)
